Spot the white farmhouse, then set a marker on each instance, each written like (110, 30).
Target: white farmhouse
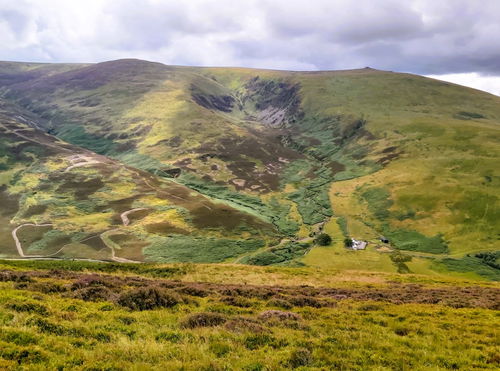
(358, 245)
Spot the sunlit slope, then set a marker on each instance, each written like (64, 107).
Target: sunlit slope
(63, 201)
(440, 174)
(379, 153)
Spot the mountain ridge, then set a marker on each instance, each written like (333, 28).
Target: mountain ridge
(281, 143)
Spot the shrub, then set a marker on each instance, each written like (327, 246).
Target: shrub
(22, 355)
(102, 337)
(29, 308)
(14, 277)
(300, 357)
(18, 337)
(280, 303)
(204, 319)
(242, 324)
(323, 239)
(172, 337)
(348, 242)
(279, 315)
(253, 342)
(94, 293)
(148, 298)
(401, 331)
(126, 320)
(219, 349)
(236, 301)
(194, 291)
(47, 287)
(93, 280)
(305, 301)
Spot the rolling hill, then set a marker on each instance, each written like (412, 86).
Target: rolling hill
(139, 161)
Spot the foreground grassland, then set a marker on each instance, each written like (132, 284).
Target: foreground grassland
(97, 316)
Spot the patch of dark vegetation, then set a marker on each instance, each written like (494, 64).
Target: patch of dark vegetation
(34, 210)
(244, 325)
(22, 355)
(48, 327)
(28, 308)
(489, 258)
(171, 337)
(245, 152)
(484, 264)
(323, 239)
(379, 202)
(78, 136)
(96, 243)
(400, 261)
(122, 204)
(306, 301)
(414, 241)
(204, 319)
(199, 250)
(194, 290)
(279, 315)
(300, 357)
(18, 337)
(47, 287)
(10, 203)
(464, 115)
(30, 234)
(80, 185)
(165, 229)
(131, 246)
(222, 103)
(6, 276)
(78, 266)
(149, 298)
(173, 142)
(280, 296)
(254, 342)
(236, 301)
(278, 255)
(94, 293)
(282, 303)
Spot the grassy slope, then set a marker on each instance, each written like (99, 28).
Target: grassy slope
(42, 183)
(445, 180)
(424, 168)
(73, 318)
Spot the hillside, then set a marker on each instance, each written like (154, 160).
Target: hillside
(81, 315)
(282, 155)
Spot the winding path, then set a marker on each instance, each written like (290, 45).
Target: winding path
(80, 160)
(124, 215)
(19, 246)
(114, 246)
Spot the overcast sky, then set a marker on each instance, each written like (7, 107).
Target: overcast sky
(454, 40)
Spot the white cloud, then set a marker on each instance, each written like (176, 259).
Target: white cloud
(419, 36)
(474, 80)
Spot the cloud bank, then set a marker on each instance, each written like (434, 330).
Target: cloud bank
(454, 39)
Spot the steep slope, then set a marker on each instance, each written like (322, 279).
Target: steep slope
(358, 153)
(59, 200)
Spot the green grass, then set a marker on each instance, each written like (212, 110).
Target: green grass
(196, 250)
(230, 326)
(414, 241)
(472, 264)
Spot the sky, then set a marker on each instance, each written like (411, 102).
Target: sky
(452, 40)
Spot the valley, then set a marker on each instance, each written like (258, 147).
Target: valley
(131, 160)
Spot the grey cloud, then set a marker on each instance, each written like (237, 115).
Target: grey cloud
(420, 36)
